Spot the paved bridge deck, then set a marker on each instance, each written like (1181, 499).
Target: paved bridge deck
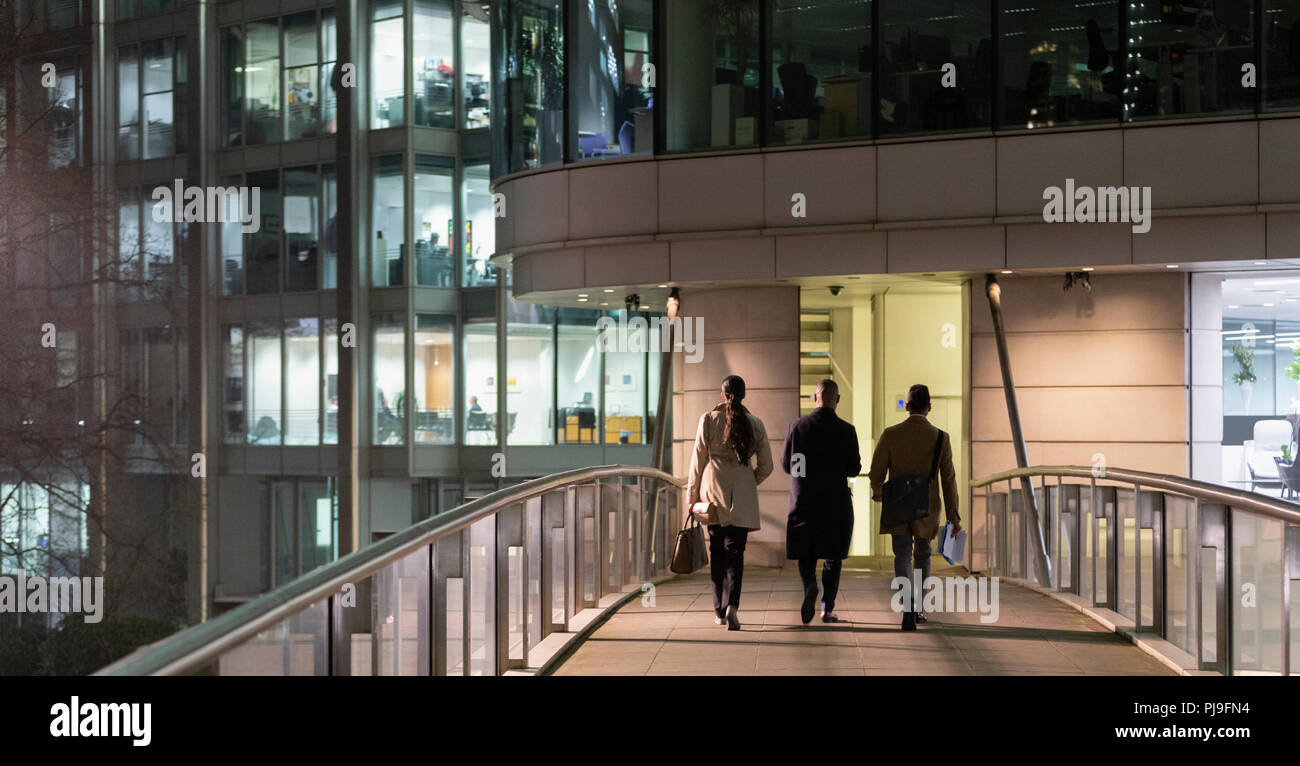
(1034, 635)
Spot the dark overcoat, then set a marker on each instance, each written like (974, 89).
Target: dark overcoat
(824, 449)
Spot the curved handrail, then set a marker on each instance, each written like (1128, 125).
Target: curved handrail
(201, 643)
(1237, 498)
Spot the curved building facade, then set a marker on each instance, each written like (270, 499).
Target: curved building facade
(820, 176)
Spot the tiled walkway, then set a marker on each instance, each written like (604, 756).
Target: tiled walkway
(1034, 635)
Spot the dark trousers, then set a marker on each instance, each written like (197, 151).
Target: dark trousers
(727, 565)
(909, 553)
(830, 579)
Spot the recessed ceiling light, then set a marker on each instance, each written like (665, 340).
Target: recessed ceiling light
(1171, 265)
(663, 285)
(645, 308)
(609, 289)
(582, 295)
(582, 300)
(1007, 271)
(603, 303)
(1087, 268)
(1261, 263)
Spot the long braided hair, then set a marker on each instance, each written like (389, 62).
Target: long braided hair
(739, 432)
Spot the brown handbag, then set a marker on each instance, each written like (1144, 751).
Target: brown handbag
(691, 551)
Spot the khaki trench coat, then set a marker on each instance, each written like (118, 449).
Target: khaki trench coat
(908, 448)
(719, 478)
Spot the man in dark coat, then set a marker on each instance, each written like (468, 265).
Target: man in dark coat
(821, 453)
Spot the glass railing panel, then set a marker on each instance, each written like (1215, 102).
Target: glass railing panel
(1146, 580)
(450, 561)
(533, 518)
(295, 646)
(1128, 553)
(1101, 538)
(1257, 592)
(1209, 609)
(482, 591)
(402, 632)
(1180, 572)
(1088, 524)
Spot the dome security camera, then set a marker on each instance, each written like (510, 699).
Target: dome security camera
(835, 289)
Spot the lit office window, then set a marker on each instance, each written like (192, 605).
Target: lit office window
(386, 46)
(435, 382)
(387, 225)
(821, 70)
(128, 243)
(232, 84)
(262, 82)
(625, 380)
(301, 371)
(128, 103)
(231, 240)
(530, 372)
(302, 86)
(264, 244)
(476, 62)
(434, 221)
(1058, 64)
(388, 379)
(715, 98)
(158, 106)
(529, 80)
(1185, 59)
(434, 74)
(481, 381)
(57, 108)
(265, 423)
(916, 46)
(330, 381)
(577, 376)
(329, 55)
(233, 428)
(480, 226)
(301, 229)
(157, 251)
(1281, 64)
(611, 102)
(330, 241)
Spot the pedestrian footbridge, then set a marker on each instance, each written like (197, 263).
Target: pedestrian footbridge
(1122, 573)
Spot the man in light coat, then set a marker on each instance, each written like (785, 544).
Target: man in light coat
(908, 449)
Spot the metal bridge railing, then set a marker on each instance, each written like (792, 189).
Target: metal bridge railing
(1208, 568)
(467, 592)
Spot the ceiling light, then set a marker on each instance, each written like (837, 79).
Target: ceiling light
(1261, 263)
(1171, 265)
(1007, 271)
(663, 285)
(1087, 268)
(609, 289)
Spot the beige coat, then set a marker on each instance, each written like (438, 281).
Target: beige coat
(908, 448)
(719, 478)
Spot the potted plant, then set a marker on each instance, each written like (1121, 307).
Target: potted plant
(1293, 369)
(1245, 374)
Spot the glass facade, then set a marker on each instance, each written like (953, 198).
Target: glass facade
(1281, 60)
(741, 73)
(481, 380)
(432, 64)
(821, 70)
(476, 64)
(151, 87)
(435, 380)
(275, 78)
(480, 226)
(387, 33)
(528, 79)
(435, 223)
(387, 224)
(279, 382)
(388, 378)
(611, 103)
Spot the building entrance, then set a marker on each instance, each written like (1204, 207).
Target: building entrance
(875, 339)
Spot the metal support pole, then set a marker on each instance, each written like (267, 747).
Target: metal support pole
(1041, 562)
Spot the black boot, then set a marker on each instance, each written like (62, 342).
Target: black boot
(909, 621)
